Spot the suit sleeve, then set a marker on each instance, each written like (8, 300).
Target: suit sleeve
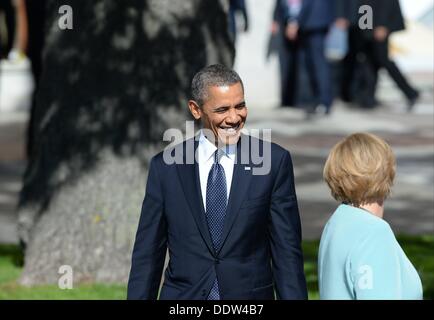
(151, 242)
(276, 13)
(282, 12)
(381, 12)
(396, 19)
(342, 9)
(306, 8)
(285, 236)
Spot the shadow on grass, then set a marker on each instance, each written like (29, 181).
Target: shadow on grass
(12, 253)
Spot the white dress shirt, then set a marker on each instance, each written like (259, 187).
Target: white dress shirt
(205, 159)
(294, 7)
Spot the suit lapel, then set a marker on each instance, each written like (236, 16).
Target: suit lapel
(190, 181)
(305, 4)
(189, 177)
(240, 184)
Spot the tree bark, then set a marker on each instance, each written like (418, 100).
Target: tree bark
(109, 89)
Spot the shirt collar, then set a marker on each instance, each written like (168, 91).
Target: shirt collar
(208, 149)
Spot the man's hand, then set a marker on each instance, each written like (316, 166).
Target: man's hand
(342, 23)
(274, 27)
(292, 31)
(246, 21)
(246, 25)
(380, 33)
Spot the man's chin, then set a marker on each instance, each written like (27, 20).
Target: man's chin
(228, 139)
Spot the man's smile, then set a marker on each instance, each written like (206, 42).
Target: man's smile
(230, 130)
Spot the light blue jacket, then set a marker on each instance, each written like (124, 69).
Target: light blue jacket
(359, 258)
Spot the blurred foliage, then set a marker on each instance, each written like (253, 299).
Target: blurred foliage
(419, 249)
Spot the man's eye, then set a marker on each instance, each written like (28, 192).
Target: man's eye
(220, 110)
(240, 107)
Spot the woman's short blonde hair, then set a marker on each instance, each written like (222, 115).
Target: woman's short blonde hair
(360, 169)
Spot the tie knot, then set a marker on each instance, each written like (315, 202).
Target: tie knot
(218, 154)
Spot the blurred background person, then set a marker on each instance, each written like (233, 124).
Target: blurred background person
(16, 81)
(36, 40)
(7, 27)
(23, 35)
(359, 256)
(347, 17)
(23, 40)
(387, 19)
(17, 28)
(288, 57)
(36, 24)
(307, 23)
(235, 7)
(369, 51)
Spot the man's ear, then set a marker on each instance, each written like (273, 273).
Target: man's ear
(195, 109)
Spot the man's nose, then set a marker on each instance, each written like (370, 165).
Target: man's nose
(232, 116)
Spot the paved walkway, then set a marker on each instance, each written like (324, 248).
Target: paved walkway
(12, 165)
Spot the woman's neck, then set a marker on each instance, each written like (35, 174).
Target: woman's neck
(375, 208)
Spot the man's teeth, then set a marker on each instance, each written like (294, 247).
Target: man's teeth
(231, 129)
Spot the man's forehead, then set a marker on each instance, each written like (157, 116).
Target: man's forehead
(225, 88)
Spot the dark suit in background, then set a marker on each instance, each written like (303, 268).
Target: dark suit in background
(352, 87)
(234, 7)
(8, 10)
(288, 59)
(369, 53)
(261, 247)
(314, 20)
(387, 13)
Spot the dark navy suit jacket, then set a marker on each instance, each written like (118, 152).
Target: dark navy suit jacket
(261, 250)
(387, 13)
(314, 14)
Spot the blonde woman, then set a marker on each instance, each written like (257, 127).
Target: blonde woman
(359, 257)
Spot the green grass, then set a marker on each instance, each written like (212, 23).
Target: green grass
(420, 251)
(11, 261)
(310, 251)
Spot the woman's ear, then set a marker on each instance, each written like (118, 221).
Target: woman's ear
(195, 109)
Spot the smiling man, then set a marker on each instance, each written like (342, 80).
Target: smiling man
(231, 234)
(218, 101)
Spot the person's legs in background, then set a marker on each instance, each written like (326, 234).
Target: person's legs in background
(283, 68)
(349, 65)
(36, 16)
(367, 72)
(290, 87)
(318, 69)
(232, 23)
(7, 35)
(380, 52)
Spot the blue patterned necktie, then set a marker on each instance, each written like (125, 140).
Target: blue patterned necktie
(216, 202)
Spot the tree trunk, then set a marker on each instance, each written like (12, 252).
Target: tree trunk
(108, 90)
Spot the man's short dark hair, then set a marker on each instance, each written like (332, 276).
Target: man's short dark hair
(213, 75)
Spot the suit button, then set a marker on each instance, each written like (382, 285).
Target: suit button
(217, 261)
